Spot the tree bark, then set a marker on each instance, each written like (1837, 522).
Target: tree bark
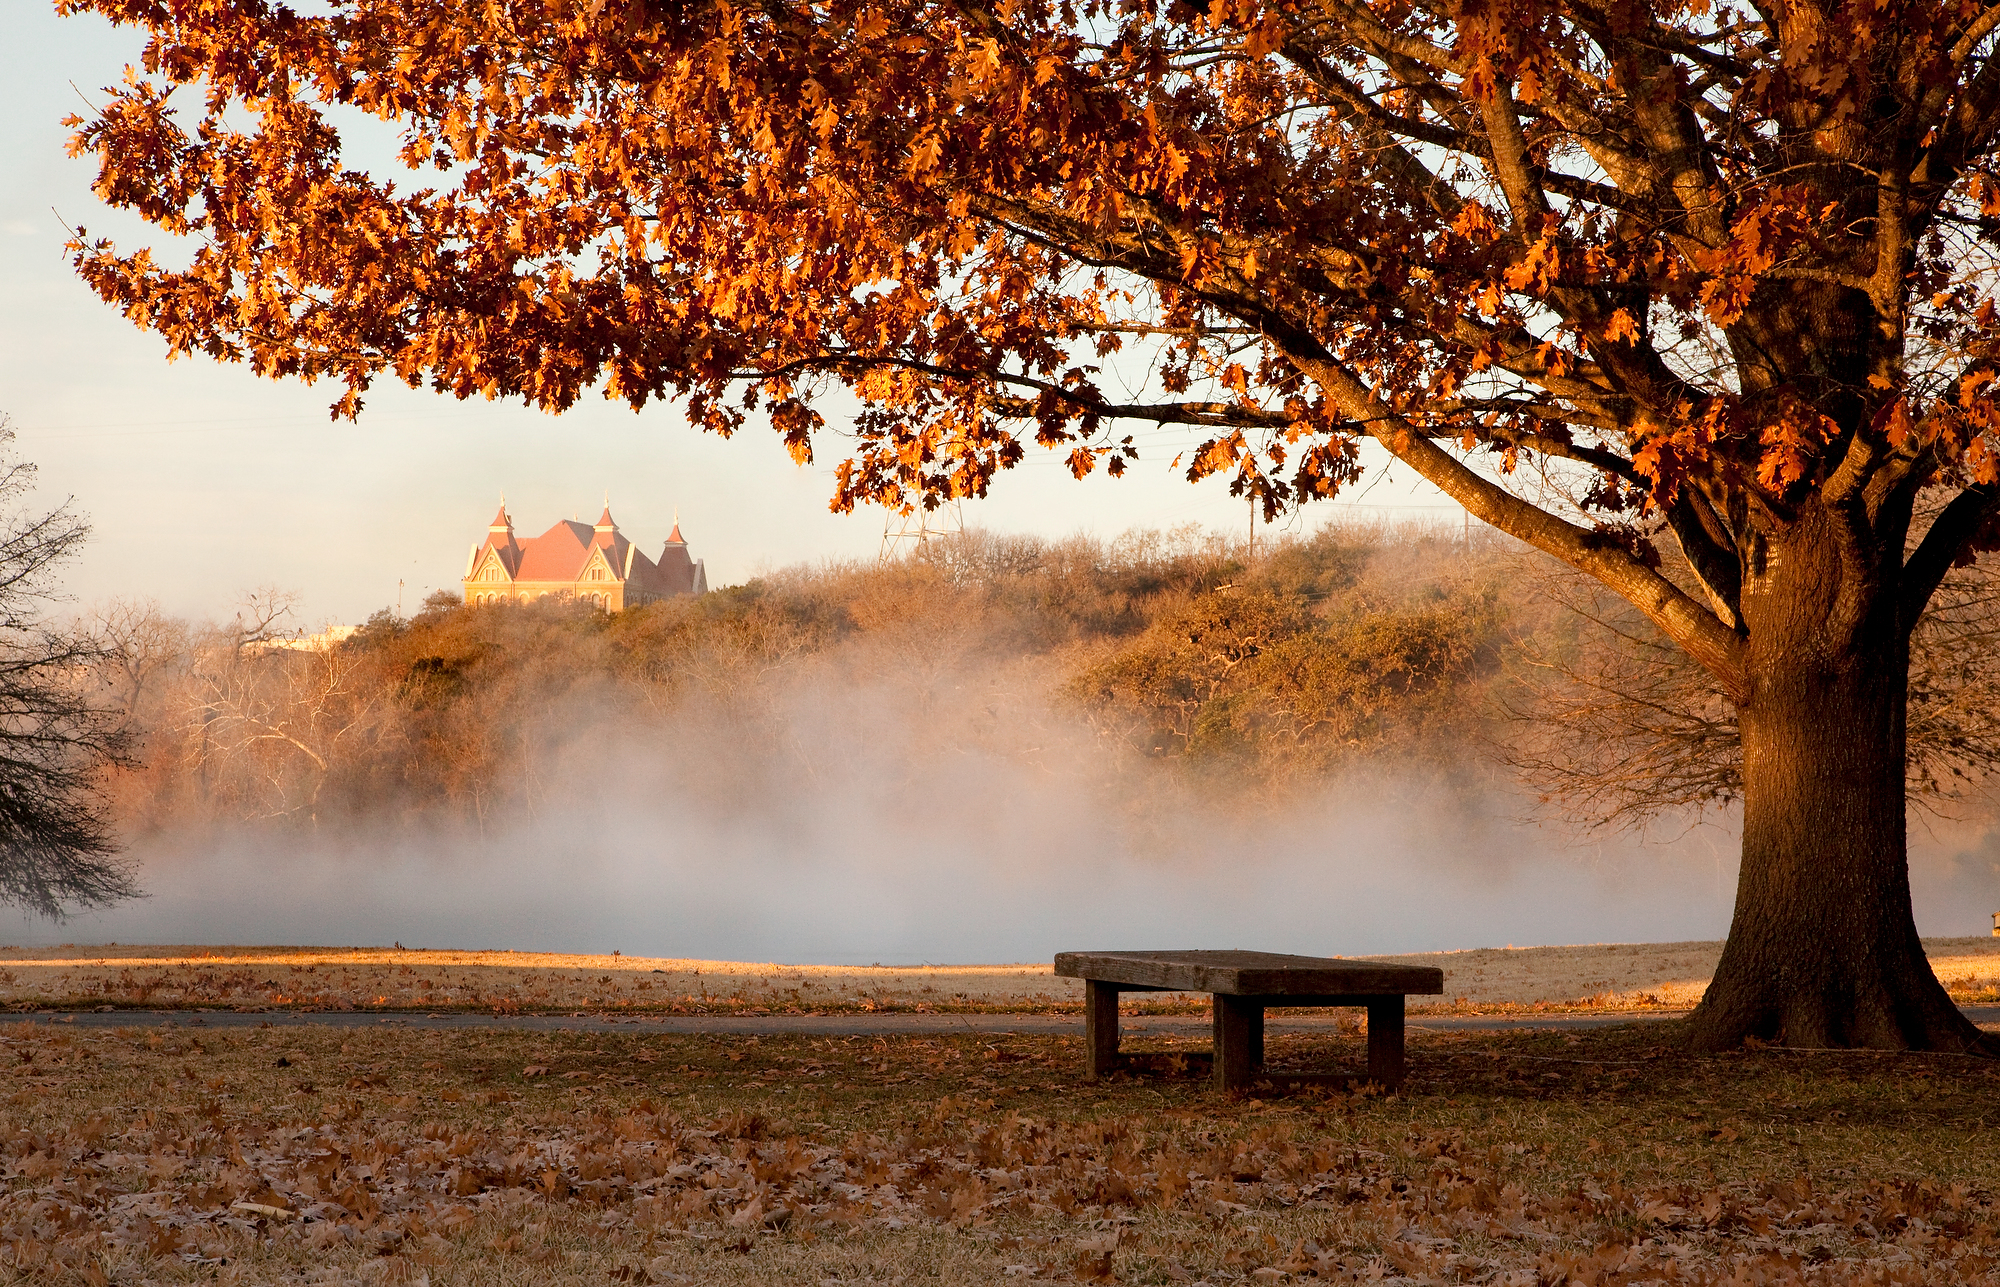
(1823, 948)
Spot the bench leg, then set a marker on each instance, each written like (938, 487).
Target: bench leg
(1385, 1041)
(1100, 1029)
(1239, 1041)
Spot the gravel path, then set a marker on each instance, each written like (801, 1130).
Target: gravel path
(831, 1025)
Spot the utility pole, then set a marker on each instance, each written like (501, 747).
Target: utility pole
(920, 527)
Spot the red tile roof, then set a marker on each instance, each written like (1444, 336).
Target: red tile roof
(563, 554)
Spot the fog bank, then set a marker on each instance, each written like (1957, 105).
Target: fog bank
(892, 806)
(1017, 885)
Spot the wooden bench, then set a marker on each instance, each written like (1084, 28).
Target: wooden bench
(1245, 984)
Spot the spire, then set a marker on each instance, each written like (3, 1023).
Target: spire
(501, 523)
(604, 520)
(674, 537)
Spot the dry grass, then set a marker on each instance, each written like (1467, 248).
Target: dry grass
(343, 978)
(1613, 976)
(1640, 976)
(387, 1156)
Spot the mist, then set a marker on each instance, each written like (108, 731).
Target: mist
(875, 839)
(1354, 879)
(1017, 885)
(920, 789)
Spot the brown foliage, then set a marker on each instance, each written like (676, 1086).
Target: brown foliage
(1261, 676)
(461, 716)
(1644, 250)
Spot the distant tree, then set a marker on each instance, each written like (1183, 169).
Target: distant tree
(1318, 653)
(1720, 274)
(57, 852)
(144, 646)
(441, 601)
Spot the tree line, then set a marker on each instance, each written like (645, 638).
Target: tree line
(1244, 674)
(1216, 664)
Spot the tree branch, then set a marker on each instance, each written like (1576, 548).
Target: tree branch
(1932, 561)
(1690, 625)
(1710, 554)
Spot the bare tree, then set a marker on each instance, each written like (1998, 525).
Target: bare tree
(145, 648)
(1609, 724)
(267, 710)
(1616, 727)
(57, 852)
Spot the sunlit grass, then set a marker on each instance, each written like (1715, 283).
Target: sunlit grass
(1630, 976)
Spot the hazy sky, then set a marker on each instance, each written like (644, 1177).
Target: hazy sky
(203, 481)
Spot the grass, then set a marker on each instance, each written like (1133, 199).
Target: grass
(391, 1156)
(1597, 978)
(398, 980)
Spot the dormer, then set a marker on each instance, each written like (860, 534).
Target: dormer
(598, 567)
(490, 568)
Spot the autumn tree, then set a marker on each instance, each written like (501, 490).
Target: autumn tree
(1612, 274)
(1282, 686)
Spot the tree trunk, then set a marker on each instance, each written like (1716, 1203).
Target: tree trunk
(1823, 949)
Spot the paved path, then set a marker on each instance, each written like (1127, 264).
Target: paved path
(828, 1025)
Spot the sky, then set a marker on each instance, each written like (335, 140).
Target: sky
(203, 482)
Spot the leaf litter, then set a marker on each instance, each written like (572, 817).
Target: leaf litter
(698, 1173)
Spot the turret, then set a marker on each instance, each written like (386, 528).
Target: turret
(683, 575)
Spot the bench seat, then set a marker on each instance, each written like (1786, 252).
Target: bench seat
(1244, 985)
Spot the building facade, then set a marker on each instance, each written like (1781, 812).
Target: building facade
(595, 565)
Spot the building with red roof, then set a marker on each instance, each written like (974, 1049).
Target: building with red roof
(595, 565)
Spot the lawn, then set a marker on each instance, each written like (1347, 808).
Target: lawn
(405, 1156)
(1600, 976)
